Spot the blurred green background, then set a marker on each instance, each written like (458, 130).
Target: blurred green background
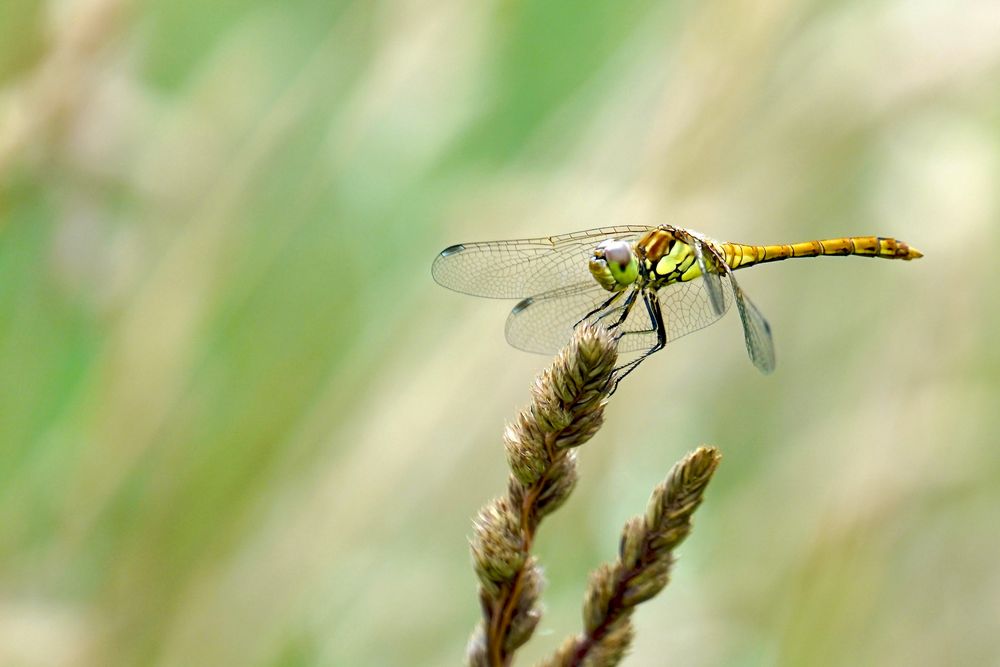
(240, 424)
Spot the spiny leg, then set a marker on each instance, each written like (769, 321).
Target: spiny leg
(607, 302)
(659, 328)
(626, 309)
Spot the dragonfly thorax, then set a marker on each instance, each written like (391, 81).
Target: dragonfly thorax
(669, 255)
(614, 265)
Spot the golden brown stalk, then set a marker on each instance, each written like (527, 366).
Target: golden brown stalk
(567, 409)
(645, 556)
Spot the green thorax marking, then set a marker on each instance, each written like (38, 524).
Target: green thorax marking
(678, 265)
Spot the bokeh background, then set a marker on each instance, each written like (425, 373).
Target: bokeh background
(240, 424)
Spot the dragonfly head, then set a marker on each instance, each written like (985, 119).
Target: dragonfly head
(614, 265)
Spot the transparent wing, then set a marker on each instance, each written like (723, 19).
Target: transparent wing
(526, 267)
(544, 323)
(713, 282)
(756, 331)
(689, 306)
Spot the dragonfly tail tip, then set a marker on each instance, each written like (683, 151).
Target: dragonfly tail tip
(908, 252)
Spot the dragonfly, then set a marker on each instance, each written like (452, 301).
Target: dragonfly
(648, 285)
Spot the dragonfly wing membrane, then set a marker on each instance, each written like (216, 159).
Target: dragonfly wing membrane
(756, 332)
(544, 323)
(689, 306)
(526, 267)
(713, 283)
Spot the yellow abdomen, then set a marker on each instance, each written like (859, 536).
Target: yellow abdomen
(739, 255)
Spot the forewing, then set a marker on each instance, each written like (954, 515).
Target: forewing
(525, 267)
(713, 282)
(544, 323)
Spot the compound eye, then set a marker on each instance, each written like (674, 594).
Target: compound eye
(618, 253)
(619, 262)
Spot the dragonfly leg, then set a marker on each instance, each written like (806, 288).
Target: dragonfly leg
(656, 319)
(610, 300)
(626, 308)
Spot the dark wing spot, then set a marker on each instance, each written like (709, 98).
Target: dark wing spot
(521, 305)
(452, 250)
